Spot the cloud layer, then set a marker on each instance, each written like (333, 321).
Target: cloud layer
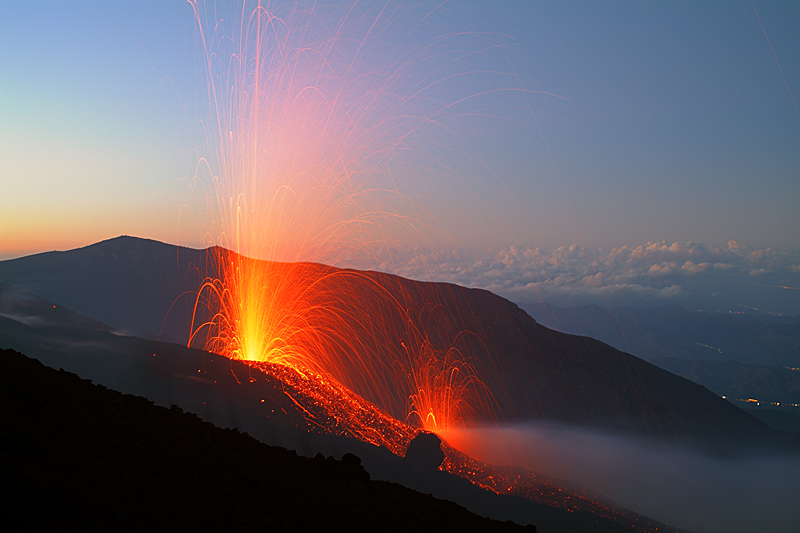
(652, 272)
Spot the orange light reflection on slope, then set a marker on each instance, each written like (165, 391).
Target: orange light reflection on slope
(446, 389)
(294, 153)
(308, 124)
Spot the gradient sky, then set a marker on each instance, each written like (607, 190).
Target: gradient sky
(671, 121)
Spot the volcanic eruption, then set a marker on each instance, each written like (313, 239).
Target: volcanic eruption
(314, 134)
(311, 133)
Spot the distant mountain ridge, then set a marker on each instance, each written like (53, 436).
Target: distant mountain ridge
(738, 356)
(144, 287)
(672, 331)
(134, 285)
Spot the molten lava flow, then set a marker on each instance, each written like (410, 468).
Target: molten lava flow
(328, 407)
(355, 328)
(335, 409)
(307, 131)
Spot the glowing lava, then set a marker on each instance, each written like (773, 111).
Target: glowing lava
(261, 312)
(328, 407)
(445, 389)
(308, 128)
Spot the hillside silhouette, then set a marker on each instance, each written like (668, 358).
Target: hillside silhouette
(78, 455)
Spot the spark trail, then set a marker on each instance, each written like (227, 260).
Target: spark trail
(318, 123)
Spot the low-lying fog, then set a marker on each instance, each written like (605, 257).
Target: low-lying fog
(670, 482)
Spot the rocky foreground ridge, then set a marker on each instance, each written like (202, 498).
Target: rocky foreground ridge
(79, 455)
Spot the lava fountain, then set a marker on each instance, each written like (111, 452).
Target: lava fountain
(318, 123)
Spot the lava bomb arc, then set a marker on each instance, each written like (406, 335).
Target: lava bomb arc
(318, 127)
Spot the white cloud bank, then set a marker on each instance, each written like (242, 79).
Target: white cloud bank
(656, 271)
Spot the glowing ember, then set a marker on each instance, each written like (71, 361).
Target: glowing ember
(446, 390)
(261, 312)
(333, 408)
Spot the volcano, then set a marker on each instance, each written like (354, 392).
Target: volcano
(118, 312)
(145, 288)
(297, 410)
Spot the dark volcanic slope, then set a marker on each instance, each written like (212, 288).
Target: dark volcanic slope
(134, 285)
(233, 394)
(738, 356)
(140, 286)
(80, 455)
(671, 331)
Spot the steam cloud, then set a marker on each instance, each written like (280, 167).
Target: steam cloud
(668, 481)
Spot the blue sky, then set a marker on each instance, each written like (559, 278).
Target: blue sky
(642, 122)
(679, 125)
